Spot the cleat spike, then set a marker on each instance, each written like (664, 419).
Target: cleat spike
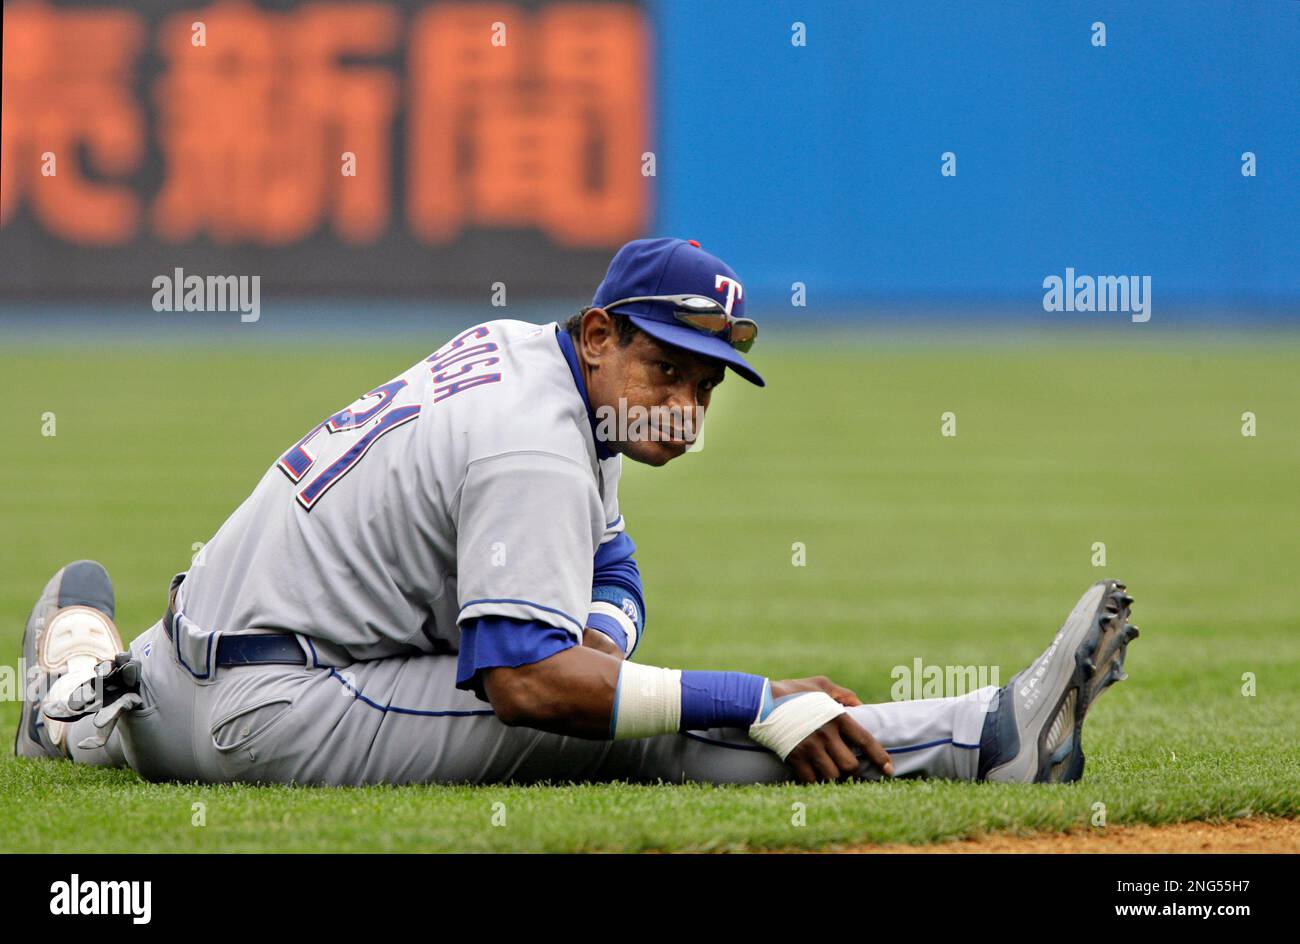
(1130, 632)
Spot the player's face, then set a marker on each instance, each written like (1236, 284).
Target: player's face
(663, 391)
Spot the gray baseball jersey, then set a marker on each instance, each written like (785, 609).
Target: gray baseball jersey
(468, 486)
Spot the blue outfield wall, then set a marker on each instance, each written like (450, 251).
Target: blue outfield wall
(822, 164)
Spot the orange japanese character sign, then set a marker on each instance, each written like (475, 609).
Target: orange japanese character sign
(553, 121)
(341, 139)
(67, 91)
(253, 125)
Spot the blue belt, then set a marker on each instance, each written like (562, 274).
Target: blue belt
(248, 649)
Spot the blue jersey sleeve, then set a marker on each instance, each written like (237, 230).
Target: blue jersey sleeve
(617, 580)
(488, 642)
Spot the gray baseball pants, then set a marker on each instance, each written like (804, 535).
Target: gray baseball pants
(402, 720)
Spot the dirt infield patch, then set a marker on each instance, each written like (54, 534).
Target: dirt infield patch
(1241, 835)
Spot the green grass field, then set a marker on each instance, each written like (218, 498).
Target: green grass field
(959, 551)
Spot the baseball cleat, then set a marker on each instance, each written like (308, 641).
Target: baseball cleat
(1035, 732)
(69, 632)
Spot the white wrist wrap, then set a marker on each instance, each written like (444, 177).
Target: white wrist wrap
(793, 719)
(648, 701)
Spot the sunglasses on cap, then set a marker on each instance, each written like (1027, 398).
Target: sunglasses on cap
(703, 314)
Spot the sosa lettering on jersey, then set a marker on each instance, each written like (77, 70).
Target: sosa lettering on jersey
(464, 360)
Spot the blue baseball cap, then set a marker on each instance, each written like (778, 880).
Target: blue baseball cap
(665, 266)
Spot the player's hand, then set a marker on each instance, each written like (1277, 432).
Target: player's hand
(829, 752)
(818, 683)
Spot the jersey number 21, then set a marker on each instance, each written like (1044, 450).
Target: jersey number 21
(372, 409)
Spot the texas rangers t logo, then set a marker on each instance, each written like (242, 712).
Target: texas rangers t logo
(734, 290)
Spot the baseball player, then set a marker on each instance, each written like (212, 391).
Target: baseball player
(436, 584)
